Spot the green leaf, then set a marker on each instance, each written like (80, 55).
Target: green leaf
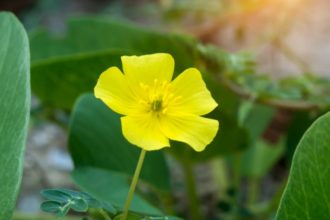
(58, 82)
(14, 108)
(63, 67)
(79, 205)
(135, 216)
(244, 111)
(96, 140)
(24, 216)
(55, 195)
(111, 186)
(92, 203)
(60, 201)
(59, 209)
(307, 194)
(260, 158)
(300, 122)
(257, 121)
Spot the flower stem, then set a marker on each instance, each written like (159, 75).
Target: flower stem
(194, 204)
(133, 184)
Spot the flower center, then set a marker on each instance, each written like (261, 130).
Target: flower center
(156, 105)
(157, 96)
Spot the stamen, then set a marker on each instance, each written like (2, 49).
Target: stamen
(156, 105)
(141, 101)
(164, 110)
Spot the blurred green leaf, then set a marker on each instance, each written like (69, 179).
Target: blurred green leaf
(58, 82)
(14, 108)
(300, 122)
(65, 66)
(55, 195)
(111, 186)
(136, 216)
(257, 121)
(307, 194)
(260, 158)
(60, 201)
(24, 216)
(59, 209)
(244, 111)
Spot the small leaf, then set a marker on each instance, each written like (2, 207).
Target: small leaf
(78, 201)
(55, 195)
(79, 205)
(59, 209)
(111, 187)
(244, 111)
(50, 206)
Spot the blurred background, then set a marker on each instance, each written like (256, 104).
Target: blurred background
(287, 38)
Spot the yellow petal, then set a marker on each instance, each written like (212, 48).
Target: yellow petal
(112, 88)
(148, 68)
(193, 130)
(144, 131)
(192, 95)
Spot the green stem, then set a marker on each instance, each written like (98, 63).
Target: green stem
(104, 214)
(237, 160)
(133, 184)
(254, 185)
(194, 204)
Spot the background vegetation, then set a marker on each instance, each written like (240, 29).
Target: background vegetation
(257, 59)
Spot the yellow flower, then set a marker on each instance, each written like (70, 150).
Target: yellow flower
(156, 108)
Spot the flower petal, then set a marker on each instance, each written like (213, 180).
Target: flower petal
(113, 89)
(193, 96)
(147, 68)
(144, 131)
(193, 130)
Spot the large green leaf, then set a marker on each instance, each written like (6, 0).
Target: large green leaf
(307, 195)
(14, 108)
(75, 60)
(60, 81)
